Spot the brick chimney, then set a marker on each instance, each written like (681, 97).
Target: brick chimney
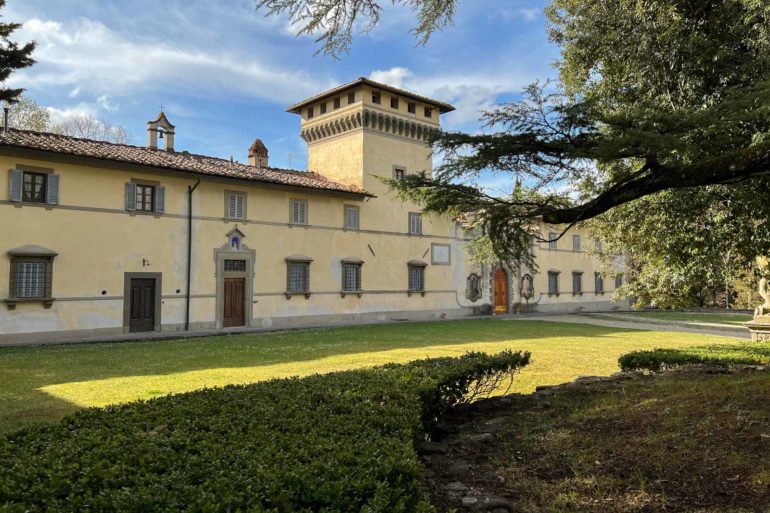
(258, 154)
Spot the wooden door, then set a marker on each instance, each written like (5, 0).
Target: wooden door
(501, 291)
(234, 307)
(142, 307)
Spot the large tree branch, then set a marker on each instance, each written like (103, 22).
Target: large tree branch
(728, 168)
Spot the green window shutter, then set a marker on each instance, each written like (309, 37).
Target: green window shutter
(130, 196)
(160, 199)
(52, 194)
(14, 192)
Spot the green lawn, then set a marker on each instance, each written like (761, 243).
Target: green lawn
(708, 317)
(45, 383)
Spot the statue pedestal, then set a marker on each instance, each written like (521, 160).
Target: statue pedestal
(759, 328)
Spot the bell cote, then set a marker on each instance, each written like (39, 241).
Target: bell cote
(160, 128)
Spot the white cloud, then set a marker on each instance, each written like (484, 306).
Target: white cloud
(88, 57)
(393, 76)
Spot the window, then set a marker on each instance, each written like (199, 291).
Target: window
(399, 173)
(298, 212)
(428, 112)
(351, 277)
(31, 275)
(337, 102)
(416, 278)
(235, 266)
(297, 277)
(577, 282)
(310, 113)
(415, 223)
(552, 240)
(597, 246)
(323, 108)
(553, 282)
(411, 107)
(618, 281)
(576, 243)
(351, 98)
(351, 217)
(598, 283)
(235, 205)
(393, 102)
(376, 97)
(145, 198)
(34, 188)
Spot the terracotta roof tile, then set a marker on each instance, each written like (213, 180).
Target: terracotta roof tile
(158, 158)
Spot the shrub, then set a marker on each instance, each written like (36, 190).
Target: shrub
(339, 442)
(719, 355)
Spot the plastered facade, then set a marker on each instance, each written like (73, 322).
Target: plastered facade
(98, 242)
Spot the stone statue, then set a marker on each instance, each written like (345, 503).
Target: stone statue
(764, 291)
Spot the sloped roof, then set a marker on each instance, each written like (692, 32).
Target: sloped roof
(161, 159)
(442, 106)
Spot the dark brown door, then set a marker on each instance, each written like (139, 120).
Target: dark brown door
(142, 308)
(234, 302)
(501, 291)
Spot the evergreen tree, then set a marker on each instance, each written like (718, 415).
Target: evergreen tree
(12, 57)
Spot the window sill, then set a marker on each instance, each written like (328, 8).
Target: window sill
(290, 294)
(411, 293)
(358, 293)
(577, 293)
(144, 213)
(233, 219)
(47, 301)
(553, 294)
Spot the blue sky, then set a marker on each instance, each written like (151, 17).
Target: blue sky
(225, 73)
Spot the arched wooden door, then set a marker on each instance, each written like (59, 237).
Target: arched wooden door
(501, 291)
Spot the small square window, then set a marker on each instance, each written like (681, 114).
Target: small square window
(145, 198)
(399, 173)
(415, 223)
(428, 112)
(33, 190)
(553, 282)
(376, 97)
(351, 217)
(393, 102)
(310, 113)
(577, 283)
(351, 277)
(416, 278)
(298, 212)
(337, 102)
(235, 205)
(351, 98)
(576, 243)
(323, 108)
(552, 240)
(297, 277)
(412, 108)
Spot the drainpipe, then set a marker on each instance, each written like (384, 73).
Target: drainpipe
(190, 190)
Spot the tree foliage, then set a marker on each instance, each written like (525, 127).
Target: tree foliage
(27, 114)
(333, 22)
(12, 57)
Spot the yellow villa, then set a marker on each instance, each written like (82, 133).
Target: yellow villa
(103, 239)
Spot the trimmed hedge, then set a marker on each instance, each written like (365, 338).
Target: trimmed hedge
(718, 355)
(341, 442)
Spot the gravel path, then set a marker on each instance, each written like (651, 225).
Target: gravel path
(737, 332)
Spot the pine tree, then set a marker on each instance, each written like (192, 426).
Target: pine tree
(12, 57)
